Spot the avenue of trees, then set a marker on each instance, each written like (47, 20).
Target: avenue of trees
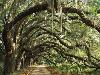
(64, 34)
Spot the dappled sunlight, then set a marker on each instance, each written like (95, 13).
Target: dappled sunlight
(49, 37)
(44, 70)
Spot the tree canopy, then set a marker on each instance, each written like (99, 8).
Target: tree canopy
(64, 34)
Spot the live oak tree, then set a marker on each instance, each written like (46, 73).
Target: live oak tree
(32, 29)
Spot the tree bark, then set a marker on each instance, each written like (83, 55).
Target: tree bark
(20, 60)
(9, 53)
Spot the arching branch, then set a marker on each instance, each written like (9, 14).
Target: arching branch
(82, 16)
(31, 10)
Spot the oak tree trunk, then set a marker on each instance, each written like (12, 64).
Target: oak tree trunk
(9, 53)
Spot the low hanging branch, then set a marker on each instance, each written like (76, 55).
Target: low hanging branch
(40, 48)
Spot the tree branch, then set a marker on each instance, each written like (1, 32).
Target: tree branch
(82, 16)
(31, 10)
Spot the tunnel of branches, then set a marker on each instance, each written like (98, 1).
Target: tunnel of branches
(40, 35)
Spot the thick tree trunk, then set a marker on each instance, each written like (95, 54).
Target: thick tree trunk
(8, 64)
(9, 53)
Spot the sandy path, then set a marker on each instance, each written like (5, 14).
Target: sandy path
(40, 70)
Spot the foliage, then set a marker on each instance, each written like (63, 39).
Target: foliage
(65, 39)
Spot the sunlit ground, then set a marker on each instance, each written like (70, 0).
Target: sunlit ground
(43, 70)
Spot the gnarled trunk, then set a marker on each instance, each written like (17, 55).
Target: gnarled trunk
(9, 53)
